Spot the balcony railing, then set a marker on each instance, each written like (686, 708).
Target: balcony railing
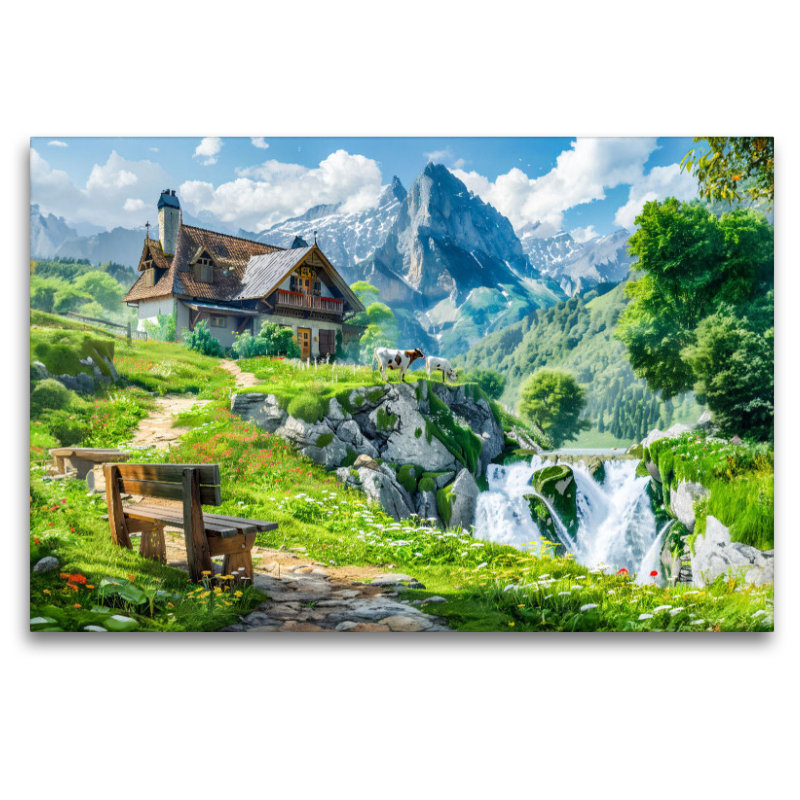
(309, 302)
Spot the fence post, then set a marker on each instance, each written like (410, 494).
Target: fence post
(129, 333)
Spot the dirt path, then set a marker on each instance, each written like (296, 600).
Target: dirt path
(156, 430)
(304, 595)
(242, 378)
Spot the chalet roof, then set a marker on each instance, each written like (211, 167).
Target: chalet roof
(151, 251)
(264, 272)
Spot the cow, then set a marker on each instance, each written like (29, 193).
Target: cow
(396, 359)
(433, 363)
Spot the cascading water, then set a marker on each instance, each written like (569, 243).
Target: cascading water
(616, 525)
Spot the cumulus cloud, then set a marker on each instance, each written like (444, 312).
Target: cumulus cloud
(270, 192)
(208, 150)
(581, 175)
(582, 235)
(116, 193)
(57, 143)
(658, 184)
(258, 141)
(446, 157)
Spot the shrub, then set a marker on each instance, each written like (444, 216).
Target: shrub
(309, 409)
(50, 394)
(278, 341)
(201, 340)
(407, 477)
(245, 345)
(491, 381)
(66, 427)
(164, 329)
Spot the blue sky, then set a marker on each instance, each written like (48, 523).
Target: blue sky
(589, 185)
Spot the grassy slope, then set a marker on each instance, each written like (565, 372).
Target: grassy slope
(263, 478)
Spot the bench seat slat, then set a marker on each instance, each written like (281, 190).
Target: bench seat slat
(169, 473)
(175, 520)
(259, 524)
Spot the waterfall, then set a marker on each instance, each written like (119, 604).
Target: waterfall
(616, 525)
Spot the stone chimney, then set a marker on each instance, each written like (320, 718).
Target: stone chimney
(169, 221)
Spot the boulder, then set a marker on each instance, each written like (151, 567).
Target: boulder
(462, 496)
(330, 455)
(556, 484)
(260, 409)
(305, 434)
(715, 555)
(682, 501)
(336, 413)
(368, 462)
(426, 505)
(46, 564)
(382, 489)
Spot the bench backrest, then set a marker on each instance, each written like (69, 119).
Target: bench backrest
(166, 481)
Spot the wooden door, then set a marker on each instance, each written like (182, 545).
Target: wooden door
(304, 340)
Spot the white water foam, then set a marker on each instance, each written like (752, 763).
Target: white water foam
(616, 525)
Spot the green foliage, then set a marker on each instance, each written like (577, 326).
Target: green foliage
(278, 341)
(408, 475)
(68, 298)
(553, 400)
(378, 319)
(49, 394)
(102, 288)
(734, 167)
(491, 381)
(444, 503)
(384, 420)
(426, 484)
(324, 439)
(308, 408)
(462, 443)
(164, 329)
(43, 293)
(702, 315)
(201, 341)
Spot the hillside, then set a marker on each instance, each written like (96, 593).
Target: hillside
(578, 335)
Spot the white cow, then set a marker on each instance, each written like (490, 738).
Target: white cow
(443, 365)
(396, 359)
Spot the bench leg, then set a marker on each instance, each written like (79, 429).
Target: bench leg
(153, 544)
(233, 562)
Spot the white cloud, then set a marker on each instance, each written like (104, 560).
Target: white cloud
(258, 141)
(208, 150)
(581, 175)
(153, 149)
(582, 235)
(270, 192)
(57, 143)
(446, 157)
(658, 184)
(116, 193)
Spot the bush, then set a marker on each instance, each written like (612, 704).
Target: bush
(66, 427)
(491, 381)
(201, 341)
(164, 329)
(309, 409)
(245, 345)
(49, 394)
(278, 341)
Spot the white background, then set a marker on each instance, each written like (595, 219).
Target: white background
(460, 716)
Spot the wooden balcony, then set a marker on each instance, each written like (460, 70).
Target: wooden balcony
(308, 302)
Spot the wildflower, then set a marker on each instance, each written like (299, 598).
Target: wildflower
(654, 573)
(77, 605)
(36, 540)
(622, 571)
(90, 586)
(45, 591)
(511, 624)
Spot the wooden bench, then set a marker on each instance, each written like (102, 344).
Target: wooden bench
(206, 535)
(82, 459)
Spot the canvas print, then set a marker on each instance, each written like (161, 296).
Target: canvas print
(402, 385)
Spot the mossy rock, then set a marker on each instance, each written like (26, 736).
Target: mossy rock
(350, 458)
(308, 408)
(557, 485)
(641, 470)
(426, 484)
(324, 439)
(408, 476)
(597, 469)
(444, 503)
(544, 521)
(385, 421)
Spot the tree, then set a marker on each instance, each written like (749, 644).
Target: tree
(69, 299)
(379, 320)
(692, 262)
(278, 341)
(102, 288)
(553, 400)
(491, 381)
(732, 167)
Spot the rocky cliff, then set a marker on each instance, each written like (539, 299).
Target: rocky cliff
(415, 448)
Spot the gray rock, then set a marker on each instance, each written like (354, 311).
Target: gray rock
(382, 489)
(367, 462)
(260, 409)
(464, 494)
(46, 564)
(682, 501)
(41, 369)
(336, 414)
(329, 456)
(715, 555)
(426, 505)
(442, 480)
(391, 579)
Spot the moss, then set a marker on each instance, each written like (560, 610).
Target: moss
(597, 469)
(637, 451)
(557, 485)
(324, 439)
(384, 420)
(375, 395)
(408, 476)
(308, 408)
(418, 432)
(355, 476)
(641, 470)
(393, 465)
(462, 443)
(444, 503)
(60, 359)
(350, 458)
(426, 484)
(50, 394)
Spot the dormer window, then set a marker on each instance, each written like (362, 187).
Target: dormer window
(204, 269)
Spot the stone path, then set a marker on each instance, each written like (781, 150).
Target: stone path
(156, 430)
(304, 595)
(242, 378)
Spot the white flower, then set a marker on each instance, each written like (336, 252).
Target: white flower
(644, 616)
(661, 608)
(482, 565)
(589, 606)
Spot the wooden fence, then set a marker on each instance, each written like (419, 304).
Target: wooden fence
(129, 332)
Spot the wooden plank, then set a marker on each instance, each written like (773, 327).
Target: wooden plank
(153, 544)
(194, 531)
(237, 544)
(116, 517)
(169, 473)
(232, 563)
(258, 524)
(174, 518)
(209, 495)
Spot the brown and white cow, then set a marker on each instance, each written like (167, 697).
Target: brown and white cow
(396, 359)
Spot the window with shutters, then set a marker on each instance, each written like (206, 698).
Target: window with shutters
(219, 322)
(149, 277)
(204, 269)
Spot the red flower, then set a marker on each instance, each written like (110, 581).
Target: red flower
(36, 540)
(654, 573)
(622, 571)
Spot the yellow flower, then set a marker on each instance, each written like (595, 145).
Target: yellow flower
(511, 624)
(206, 572)
(237, 594)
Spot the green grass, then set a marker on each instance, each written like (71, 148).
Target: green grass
(740, 479)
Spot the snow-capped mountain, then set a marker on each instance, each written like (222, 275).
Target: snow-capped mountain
(345, 238)
(452, 266)
(578, 266)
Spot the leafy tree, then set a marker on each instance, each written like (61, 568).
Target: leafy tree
(734, 360)
(692, 262)
(491, 381)
(201, 340)
(734, 167)
(43, 293)
(379, 320)
(68, 298)
(278, 341)
(102, 288)
(553, 400)
(164, 328)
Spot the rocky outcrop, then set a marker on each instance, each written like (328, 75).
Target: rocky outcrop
(557, 485)
(715, 555)
(682, 502)
(82, 382)
(458, 501)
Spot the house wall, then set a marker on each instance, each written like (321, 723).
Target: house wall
(287, 284)
(294, 323)
(150, 309)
